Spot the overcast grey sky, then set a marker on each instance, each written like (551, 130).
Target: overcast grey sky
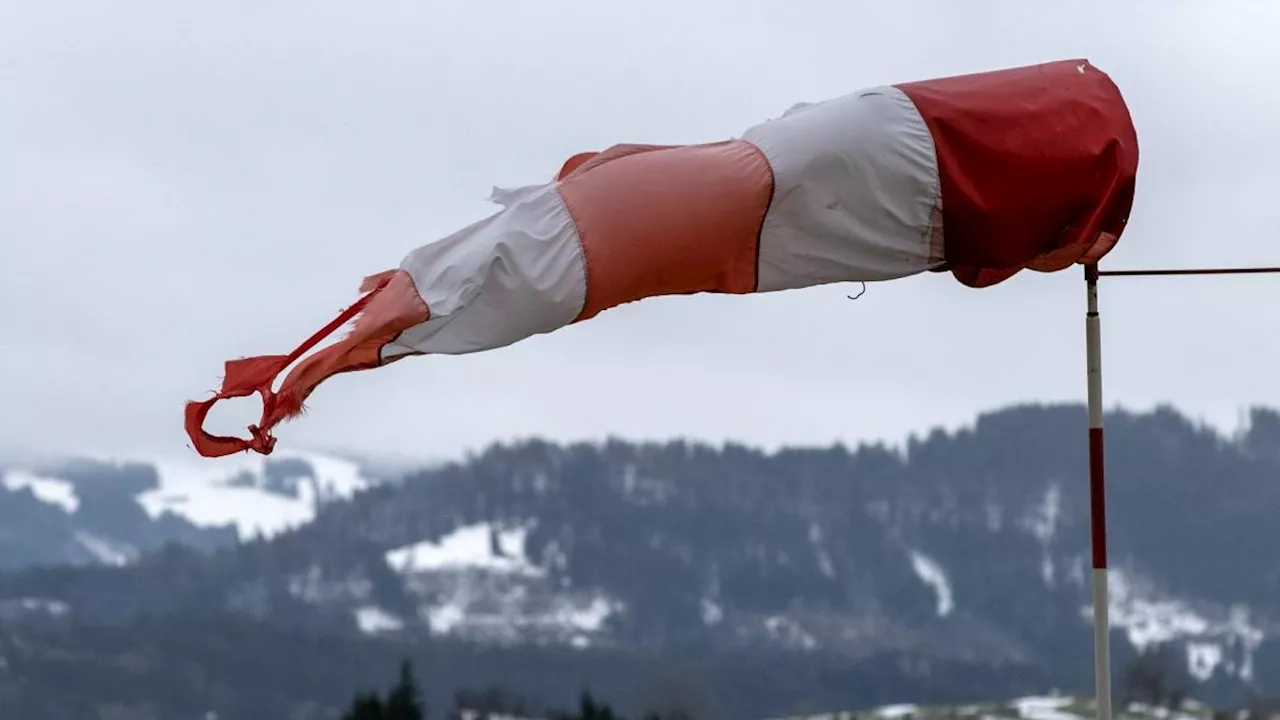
(182, 183)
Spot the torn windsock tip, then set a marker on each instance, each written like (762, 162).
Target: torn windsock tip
(246, 375)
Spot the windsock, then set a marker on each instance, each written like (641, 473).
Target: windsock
(980, 175)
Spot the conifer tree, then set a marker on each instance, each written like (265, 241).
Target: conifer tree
(366, 707)
(404, 701)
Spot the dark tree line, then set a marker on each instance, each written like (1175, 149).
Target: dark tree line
(403, 701)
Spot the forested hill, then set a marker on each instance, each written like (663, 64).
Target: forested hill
(958, 555)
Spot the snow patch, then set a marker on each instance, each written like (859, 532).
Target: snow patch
(995, 517)
(931, 574)
(712, 613)
(790, 632)
(1148, 619)
(1044, 708)
(478, 582)
(105, 551)
(373, 620)
(22, 606)
(1042, 521)
(591, 618)
(478, 546)
(209, 495)
(897, 711)
(46, 489)
(313, 586)
(468, 714)
(1047, 574)
(1203, 659)
(1249, 635)
(502, 616)
(820, 550)
(445, 618)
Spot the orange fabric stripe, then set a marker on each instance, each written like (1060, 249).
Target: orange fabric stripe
(391, 306)
(574, 163)
(668, 220)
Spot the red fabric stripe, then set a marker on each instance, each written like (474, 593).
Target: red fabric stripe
(1037, 167)
(1097, 498)
(391, 306)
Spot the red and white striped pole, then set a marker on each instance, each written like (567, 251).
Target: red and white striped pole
(1097, 468)
(1097, 500)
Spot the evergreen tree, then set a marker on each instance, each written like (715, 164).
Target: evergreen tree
(366, 707)
(404, 701)
(590, 709)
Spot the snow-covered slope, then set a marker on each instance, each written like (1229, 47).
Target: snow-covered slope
(258, 495)
(1215, 638)
(476, 581)
(45, 489)
(108, 510)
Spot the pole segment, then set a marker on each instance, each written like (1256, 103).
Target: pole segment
(1097, 500)
(1189, 271)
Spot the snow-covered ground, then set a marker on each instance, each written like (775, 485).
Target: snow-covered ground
(478, 546)
(252, 494)
(229, 491)
(1217, 639)
(209, 494)
(1039, 707)
(373, 620)
(479, 581)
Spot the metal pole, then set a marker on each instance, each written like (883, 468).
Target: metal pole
(1097, 466)
(1189, 271)
(1097, 500)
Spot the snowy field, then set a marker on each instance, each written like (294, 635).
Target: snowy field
(1042, 707)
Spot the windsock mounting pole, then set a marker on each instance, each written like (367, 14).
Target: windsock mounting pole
(1097, 500)
(1097, 467)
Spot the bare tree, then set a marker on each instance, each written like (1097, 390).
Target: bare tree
(1156, 678)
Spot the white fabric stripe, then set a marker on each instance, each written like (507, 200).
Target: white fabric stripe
(856, 193)
(517, 273)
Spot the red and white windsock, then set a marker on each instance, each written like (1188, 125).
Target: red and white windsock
(980, 175)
